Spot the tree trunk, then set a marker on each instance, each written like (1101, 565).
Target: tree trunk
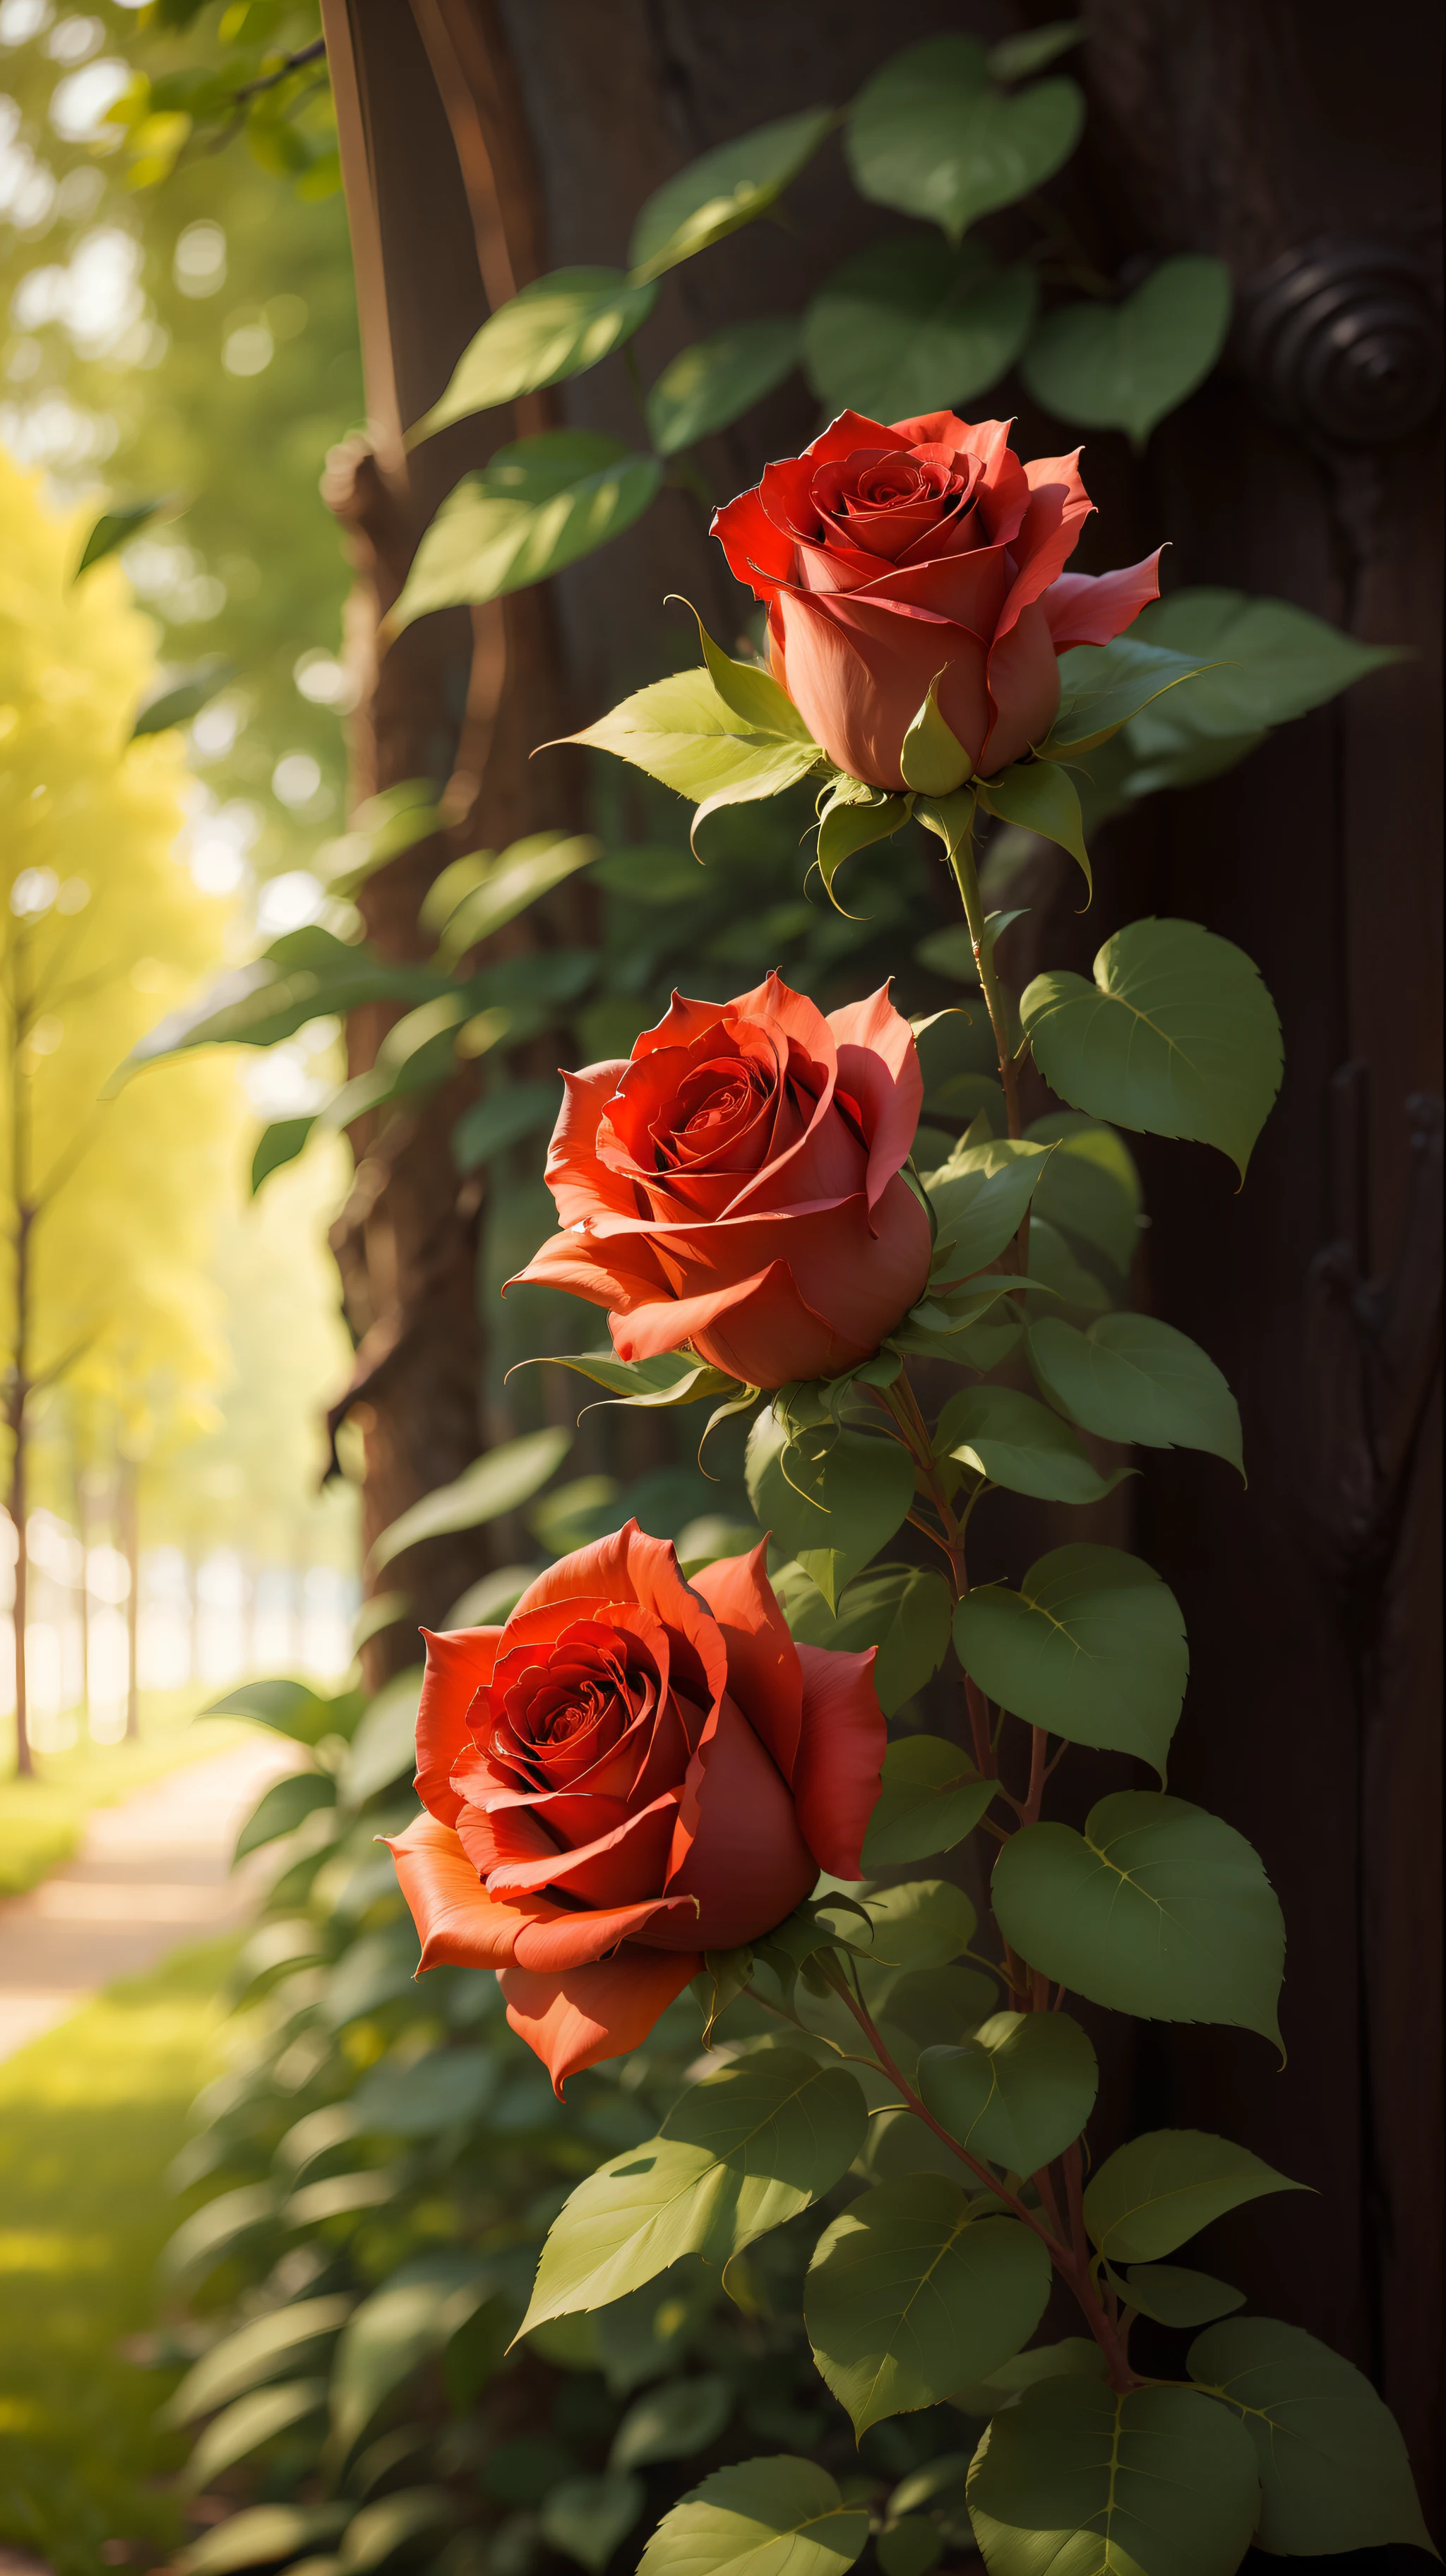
(1313, 1713)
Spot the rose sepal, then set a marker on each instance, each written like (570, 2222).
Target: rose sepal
(933, 759)
(850, 816)
(669, 1378)
(1040, 796)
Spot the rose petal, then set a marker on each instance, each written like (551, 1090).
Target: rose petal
(764, 1674)
(619, 1271)
(1025, 687)
(736, 1845)
(1058, 508)
(461, 1926)
(628, 1566)
(568, 1940)
(624, 1866)
(584, 2015)
(459, 1663)
(879, 1068)
(841, 1747)
(573, 1174)
(1092, 608)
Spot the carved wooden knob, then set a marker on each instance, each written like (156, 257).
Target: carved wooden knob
(1342, 342)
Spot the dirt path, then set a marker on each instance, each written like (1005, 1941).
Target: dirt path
(151, 1873)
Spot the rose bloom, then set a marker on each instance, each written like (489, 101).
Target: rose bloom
(887, 555)
(735, 1186)
(632, 1771)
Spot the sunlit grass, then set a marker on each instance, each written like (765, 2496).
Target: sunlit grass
(41, 1820)
(90, 2117)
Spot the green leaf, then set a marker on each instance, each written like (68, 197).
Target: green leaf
(738, 2155)
(1018, 56)
(833, 1498)
(265, 2347)
(212, 2232)
(1132, 1378)
(710, 385)
(850, 818)
(1019, 1443)
(672, 1378)
(385, 2526)
(684, 733)
(410, 2318)
(282, 1807)
(1333, 2468)
(932, 1796)
(1268, 663)
(536, 505)
(553, 328)
(768, 2517)
(1005, 2387)
(504, 1119)
(1040, 796)
(1090, 1191)
(307, 975)
(1156, 1909)
(1153, 2483)
(587, 2517)
(292, 1708)
(1157, 2190)
(936, 2007)
(449, 2089)
(116, 528)
(522, 875)
(182, 699)
(248, 2425)
(1123, 366)
(1104, 686)
(907, 327)
(722, 191)
(386, 824)
(1177, 1036)
(909, 2293)
(500, 1481)
(901, 1610)
(1091, 1646)
(1018, 2092)
(910, 2547)
(276, 1145)
(979, 1198)
(673, 2422)
(383, 1748)
(923, 1923)
(932, 136)
(1174, 2296)
(262, 2533)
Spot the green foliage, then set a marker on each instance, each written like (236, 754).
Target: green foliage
(1018, 2091)
(413, 2316)
(758, 2519)
(1149, 2196)
(552, 329)
(1091, 1646)
(912, 326)
(911, 2292)
(1333, 2468)
(1106, 686)
(1015, 1441)
(706, 387)
(714, 196)
(1040, 796)
(1174, 2296)
(1133, 1378)
(832, 1497)
(535, 507)
(1156, 1909)
(932, 135)
(1156, 2483)
(1124, 366)
(900, 1610)
(932, 1796)
(1177, 1036)
(282, 1807)
(495, 1483)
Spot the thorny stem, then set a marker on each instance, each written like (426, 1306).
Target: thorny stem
(1070, 2260)
(966, 877)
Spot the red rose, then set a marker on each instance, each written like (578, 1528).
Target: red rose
(735, 1186)
(888, 555)
(632, 1771)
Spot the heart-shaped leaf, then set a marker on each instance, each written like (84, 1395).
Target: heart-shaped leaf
(718, 379)
(723, 190)
(553, 328)
(911, 326)
(901, 1610)
(1018, 2091)
(1091, 1646)
(931, 1797)
(1123, 366)
(1156, 1909)
(1176, 1036)
(1333, 2468)
(1133, 1378)
(754, 2520)
(834, 1498)
(1018, 1443)
(1157, 2190)
(1158, 2482)
(536, 506)
(932, 135)
(1174, 2296)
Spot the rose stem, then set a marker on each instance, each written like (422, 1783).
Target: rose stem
(966, 877)
(1070, 2261)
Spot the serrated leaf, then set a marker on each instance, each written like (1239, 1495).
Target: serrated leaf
(520, 877)
(1124, 366)
(723, 190)
(1018, 2091)
(1156, 1909)
(921, 1923)
(901, 1610)
(501, 1481)
(931, 135)
(1017, 1442)
(766, 2517)
(931, 1797)
(909, 327)
(1177, 1036)
(672, 1378)
(909, 2294)
(850, 819)
(1104, 686)
(1091, 1646)
(707, 387)
(1090, 1191)
(979, 1198)
(1333, 2468)
(413, 2316)
(673, 2422)
(1152, 2483)
(1039, 796)
(1157, 2190)
(537, 505)
(832, 1497)
(1134, 1379)
(684, 733)
(282, 1807)
(738, 2155)
(1174, 2296)
(554, 328)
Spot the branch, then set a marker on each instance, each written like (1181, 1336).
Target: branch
(312, 53)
